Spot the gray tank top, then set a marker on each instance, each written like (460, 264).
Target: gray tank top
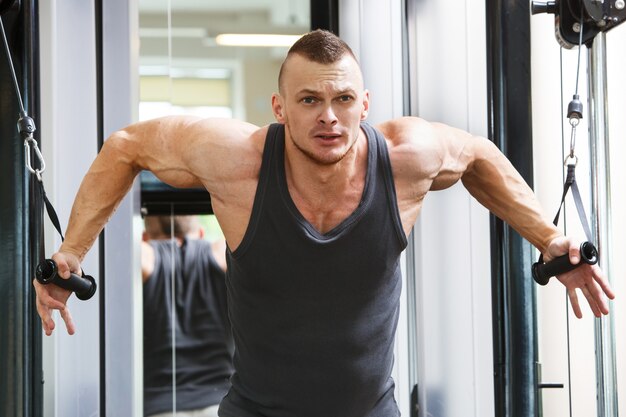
(203, 340)
(314, 315)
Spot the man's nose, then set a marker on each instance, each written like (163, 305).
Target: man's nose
(328, 116)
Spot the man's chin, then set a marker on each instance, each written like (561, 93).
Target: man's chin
(324, 158)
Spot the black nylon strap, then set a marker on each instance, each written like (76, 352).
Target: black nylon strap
(581, 210)
(569, 180)
(570, 183)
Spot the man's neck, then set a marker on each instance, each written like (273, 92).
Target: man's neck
(326, 194)
(310, 178)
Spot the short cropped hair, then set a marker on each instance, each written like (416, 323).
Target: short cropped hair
(319, 46)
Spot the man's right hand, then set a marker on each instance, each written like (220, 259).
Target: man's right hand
(52, 297)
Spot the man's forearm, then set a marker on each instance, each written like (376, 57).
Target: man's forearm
(106, 183)
(494, 182)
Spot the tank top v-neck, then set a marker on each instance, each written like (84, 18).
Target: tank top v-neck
(314, 314)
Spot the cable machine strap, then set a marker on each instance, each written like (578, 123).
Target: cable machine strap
(570, 183)
(579, 205)
(52, 214)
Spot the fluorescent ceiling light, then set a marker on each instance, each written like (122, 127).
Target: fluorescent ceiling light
(241, 39)
(165, 71)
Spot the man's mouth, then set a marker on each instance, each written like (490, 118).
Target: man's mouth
(327, 136)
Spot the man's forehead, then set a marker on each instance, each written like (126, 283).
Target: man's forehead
(345, 73)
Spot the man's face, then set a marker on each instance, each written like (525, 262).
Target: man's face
(321, 106)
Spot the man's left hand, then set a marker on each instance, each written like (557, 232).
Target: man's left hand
(589, 279)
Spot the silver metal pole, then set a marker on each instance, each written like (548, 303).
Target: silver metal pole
(606, 379)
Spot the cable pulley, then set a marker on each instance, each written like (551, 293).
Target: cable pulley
(574, 16)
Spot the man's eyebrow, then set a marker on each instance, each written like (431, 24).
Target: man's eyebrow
(306, 91)
(346, 91)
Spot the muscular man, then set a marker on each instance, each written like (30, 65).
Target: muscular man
(315, 210)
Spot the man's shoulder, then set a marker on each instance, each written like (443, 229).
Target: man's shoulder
(232, 132)
(414, 146)
(407, 130)
(225, 150)
(409, 135)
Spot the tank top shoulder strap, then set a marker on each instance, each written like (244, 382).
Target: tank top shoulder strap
(390, 186)
(274, 132)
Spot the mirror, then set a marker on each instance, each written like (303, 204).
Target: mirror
(187, 342)
(185, 68)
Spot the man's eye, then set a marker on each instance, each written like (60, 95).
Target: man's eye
(345, 98)
(308, 100)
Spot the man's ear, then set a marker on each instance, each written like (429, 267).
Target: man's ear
(366, 104)
(277, 108)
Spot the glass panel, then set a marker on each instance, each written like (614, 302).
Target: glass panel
(185, 70)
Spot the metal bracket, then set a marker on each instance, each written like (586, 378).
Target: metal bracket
(592, 16)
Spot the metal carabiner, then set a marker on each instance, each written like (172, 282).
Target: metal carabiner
(570, 157)
(574, 121)
(27, 141)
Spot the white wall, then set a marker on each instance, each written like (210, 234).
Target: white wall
(452, 239)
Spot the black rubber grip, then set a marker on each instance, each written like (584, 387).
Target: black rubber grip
(47, 273)
(542, 272)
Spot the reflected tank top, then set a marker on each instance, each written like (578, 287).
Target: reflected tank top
(204, 344)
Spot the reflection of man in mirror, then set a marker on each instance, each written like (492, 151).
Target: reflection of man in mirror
(316, 210)
(174, 247)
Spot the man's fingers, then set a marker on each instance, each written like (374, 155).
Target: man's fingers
(595, 290)
(573, 298)
(599, 277)
(592, 301)
(67, 318)
(45, 304)
(574, 252)
(46, 320)
(63, 269)
(66, 263)
(557, 247)
(48, 326)
(51, 303)
(43, 296)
